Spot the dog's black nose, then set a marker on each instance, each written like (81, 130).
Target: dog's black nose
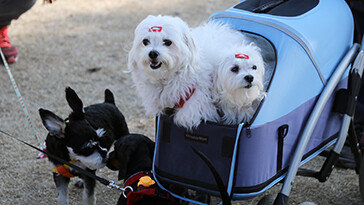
(249, 78)
(153, 54)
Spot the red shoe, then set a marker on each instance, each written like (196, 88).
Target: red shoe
(9, 51)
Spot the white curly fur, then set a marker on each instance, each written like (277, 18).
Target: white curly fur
(180, 70)
(212, 37)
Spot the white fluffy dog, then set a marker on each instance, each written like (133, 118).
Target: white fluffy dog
(238, 70)
(166, 70)
(213, 37)
(238, 82)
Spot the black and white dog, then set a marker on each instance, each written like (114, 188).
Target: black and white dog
(84, 138)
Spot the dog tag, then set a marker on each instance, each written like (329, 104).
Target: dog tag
(146, 181)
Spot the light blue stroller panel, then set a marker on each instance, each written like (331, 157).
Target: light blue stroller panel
(308, 46)
(301, 52)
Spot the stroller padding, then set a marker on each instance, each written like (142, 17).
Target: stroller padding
(218, 144)
(259, 163)
(287, 8)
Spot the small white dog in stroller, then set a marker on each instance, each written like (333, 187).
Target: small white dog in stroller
(238, 70)
(174, 67)
(239, 82)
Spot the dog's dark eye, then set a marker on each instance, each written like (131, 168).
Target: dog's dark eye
(235, 69)
(254, 67)
(145, 42)
(167, 42)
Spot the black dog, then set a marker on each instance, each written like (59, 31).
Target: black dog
(84, 138)
(133, 154)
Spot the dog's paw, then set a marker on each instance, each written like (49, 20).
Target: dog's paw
(79, 184)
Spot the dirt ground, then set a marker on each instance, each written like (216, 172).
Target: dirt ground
(58, 46)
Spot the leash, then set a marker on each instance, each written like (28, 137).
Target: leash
(22, 104)
(226, 199)
(108, 183)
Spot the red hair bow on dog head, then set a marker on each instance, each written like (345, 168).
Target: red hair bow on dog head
(242, 56)
(155, 29)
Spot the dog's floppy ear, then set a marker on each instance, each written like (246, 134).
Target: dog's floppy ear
(54, 124)
(113, 162)
(131, 61)
(124, 154)
(190, 42)
(123, 168)
(74, 102)
(109, 97)
(191, 47)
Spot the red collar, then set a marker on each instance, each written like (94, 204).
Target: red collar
(138, 193)
(182, 101)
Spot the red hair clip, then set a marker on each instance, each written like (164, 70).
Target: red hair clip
(155, 29)
(243, 56)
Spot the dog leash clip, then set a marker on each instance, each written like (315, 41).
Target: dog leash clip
(113, 185)
(127, 187)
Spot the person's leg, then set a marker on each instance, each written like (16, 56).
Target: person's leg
(10, 10)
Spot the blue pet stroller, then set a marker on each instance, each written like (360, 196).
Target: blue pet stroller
(314, 74)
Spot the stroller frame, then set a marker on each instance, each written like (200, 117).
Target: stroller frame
(328, 166)
(356, 55)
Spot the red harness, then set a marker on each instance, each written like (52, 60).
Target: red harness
(140, 191)
(182, 101)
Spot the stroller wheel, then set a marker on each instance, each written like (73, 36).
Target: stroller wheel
(361, 178)
(267, 199)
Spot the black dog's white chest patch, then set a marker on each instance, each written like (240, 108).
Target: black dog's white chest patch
(93, 161)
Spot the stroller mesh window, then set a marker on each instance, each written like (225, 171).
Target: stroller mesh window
(270, 61)
(278, 7)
